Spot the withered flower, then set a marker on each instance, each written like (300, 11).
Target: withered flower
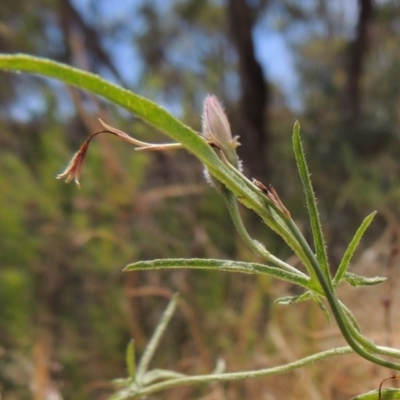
(216, 131)
(74, 168)
(141, 146)
(272, 195)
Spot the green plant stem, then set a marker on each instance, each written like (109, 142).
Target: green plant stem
(368, 344)
(233, 208)
(341, 320)
(155, 340)
(319, 261)
(234, 376)
(270, 213)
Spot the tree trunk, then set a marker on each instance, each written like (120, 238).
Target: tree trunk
(251, 123)
(357, 54)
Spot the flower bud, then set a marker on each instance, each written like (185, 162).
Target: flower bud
(216, 129)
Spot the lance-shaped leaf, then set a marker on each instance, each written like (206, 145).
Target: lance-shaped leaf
(357, 280)
(344, 264)
(387, 394)
(311, 201)
(288, 300)
(221, 265)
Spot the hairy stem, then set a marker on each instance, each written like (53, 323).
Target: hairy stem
(234, 376)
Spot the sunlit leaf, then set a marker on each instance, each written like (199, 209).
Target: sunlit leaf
(344, 264)
(387, 394)
(357, 280)
(324, 310)
(286, 300)
(220, 265)
(311, 201)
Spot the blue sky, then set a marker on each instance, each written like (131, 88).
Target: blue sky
(272, 48)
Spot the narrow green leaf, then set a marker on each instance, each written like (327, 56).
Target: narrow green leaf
(273, 218)
(357, 280)
(130, 359)
(126, 391)
(155, 340)
(145, 109)
(324, 310)
(319, 241)
(288, 300)
(344, 264)
(257, 247)
(159, 375)
(221, 265)
(387, 394)
(349, 315)
(121, 382)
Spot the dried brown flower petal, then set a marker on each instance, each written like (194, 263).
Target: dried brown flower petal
(142, 146)
(272, 194)
(74, 168)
